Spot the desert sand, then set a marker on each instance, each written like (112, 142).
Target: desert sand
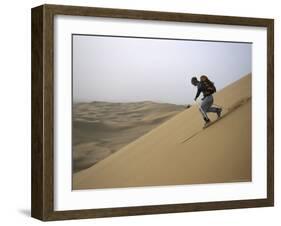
(102, 128)
(219, 153)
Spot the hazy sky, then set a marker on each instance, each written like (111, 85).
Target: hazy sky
(118, 69)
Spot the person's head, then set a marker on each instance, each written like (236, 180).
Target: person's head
(203, 78)
(194, 81)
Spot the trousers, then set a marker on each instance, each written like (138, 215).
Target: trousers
(206, 106)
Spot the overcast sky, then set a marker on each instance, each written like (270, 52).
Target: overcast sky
(117, 69)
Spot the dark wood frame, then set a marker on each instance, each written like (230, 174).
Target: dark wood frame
(42, 203)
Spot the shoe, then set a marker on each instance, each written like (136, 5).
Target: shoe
(207, 121)
(219, 112)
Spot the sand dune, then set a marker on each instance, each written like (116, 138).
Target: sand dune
(102, 128)
(220, 153)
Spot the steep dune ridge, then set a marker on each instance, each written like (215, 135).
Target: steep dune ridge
(220, 153)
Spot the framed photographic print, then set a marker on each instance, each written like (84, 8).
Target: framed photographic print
(142, 112)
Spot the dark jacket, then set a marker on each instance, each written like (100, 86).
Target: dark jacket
(200, 88)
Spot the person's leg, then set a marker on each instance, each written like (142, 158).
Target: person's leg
(209, 107)
(205, 105)
(204, 115)
(213, 109)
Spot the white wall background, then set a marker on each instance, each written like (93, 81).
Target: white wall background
(15, 112)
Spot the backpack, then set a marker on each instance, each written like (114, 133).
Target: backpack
(208, 86)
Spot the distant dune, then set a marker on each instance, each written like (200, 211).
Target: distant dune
(102, 128)
(220, 153)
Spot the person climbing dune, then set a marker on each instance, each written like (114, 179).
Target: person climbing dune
(208, 88)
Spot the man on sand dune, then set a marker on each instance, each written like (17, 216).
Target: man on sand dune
(207, 88)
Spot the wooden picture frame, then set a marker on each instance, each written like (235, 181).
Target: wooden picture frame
(42, 203)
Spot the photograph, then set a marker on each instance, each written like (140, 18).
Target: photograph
(141, 112)
(149, 111)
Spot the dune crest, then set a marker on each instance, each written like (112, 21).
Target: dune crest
(218, 154)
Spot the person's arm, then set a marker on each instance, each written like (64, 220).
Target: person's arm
(198, 92)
